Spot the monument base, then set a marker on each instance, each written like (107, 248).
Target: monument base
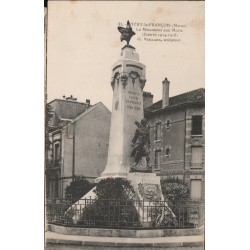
(146, 180)
(148, 197)
(147, 188)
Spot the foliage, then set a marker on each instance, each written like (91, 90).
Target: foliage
(48, 116)
(77, 189)
(114, 189)
(114, 206)
(48, 113)
(174, 190)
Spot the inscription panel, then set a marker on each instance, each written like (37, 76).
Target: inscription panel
(133, 101)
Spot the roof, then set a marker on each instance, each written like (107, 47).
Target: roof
(191, 97)
(69, 111)
(65, 109)
(90, 109)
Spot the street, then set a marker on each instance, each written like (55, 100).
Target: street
(71, 247)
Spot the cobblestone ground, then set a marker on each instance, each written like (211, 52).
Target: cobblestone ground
(68, 247)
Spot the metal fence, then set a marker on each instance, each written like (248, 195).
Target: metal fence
(129, 214)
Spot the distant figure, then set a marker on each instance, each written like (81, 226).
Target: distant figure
(126, 33)
(141, 147)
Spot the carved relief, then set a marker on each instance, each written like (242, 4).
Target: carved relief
(133, 76)
(124, 80)
(149, 192)
(142, 82)
(117, 105)
(114, 78)
(112, 83)
(197, 141)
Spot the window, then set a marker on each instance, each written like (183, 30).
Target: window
(197, 125)
(167, 152)
(57, 151)
(158, 131)
(196, 160)
(168, 124)
(56, 186)
(157, 158)
(195, 189)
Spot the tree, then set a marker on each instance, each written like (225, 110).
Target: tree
(174, 190)
(114, 189)
(48, 115)
(77, 189)
(114, 206)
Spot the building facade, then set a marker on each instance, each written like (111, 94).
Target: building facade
(78, 135)
(177, 135)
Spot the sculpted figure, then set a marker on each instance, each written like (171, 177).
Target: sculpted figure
(124, 79)
(126, 33)
(141, 147)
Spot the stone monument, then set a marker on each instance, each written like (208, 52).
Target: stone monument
(128, 154)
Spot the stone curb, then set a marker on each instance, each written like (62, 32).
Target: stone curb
(123, 244)
(101, 232)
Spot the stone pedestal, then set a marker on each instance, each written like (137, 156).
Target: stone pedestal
(147, 187)
(128, 80)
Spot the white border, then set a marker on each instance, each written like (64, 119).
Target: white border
(227, 124)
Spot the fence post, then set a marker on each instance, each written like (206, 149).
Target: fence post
(143, 210)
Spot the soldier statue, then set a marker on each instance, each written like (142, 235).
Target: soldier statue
(141, 147)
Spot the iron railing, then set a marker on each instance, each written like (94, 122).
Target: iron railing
(57, 163)
(134, 214)
(53, 167)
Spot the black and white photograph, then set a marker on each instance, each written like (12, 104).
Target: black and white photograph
(124, 125)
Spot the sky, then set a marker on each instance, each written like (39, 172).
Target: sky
(83, 43)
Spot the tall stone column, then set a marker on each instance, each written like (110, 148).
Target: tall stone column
(128, 80)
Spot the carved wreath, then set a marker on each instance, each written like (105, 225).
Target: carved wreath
(114, 78)
(149, 192)
(124, 79)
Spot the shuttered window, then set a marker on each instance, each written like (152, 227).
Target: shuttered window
(197, 125)
(196, 161)
(168, 124)
(195, 189)
(57, 151)
(157, 158)
(167, 153)
(158, 131)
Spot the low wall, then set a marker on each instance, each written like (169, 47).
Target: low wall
(128, 233)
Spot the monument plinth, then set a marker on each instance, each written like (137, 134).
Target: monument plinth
(127, 81)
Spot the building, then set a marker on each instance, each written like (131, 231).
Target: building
(177, 131)
(78, 134)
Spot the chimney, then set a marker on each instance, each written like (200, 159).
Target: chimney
(71, 98)
(165, 93)
(88, 102)
(147, 99)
